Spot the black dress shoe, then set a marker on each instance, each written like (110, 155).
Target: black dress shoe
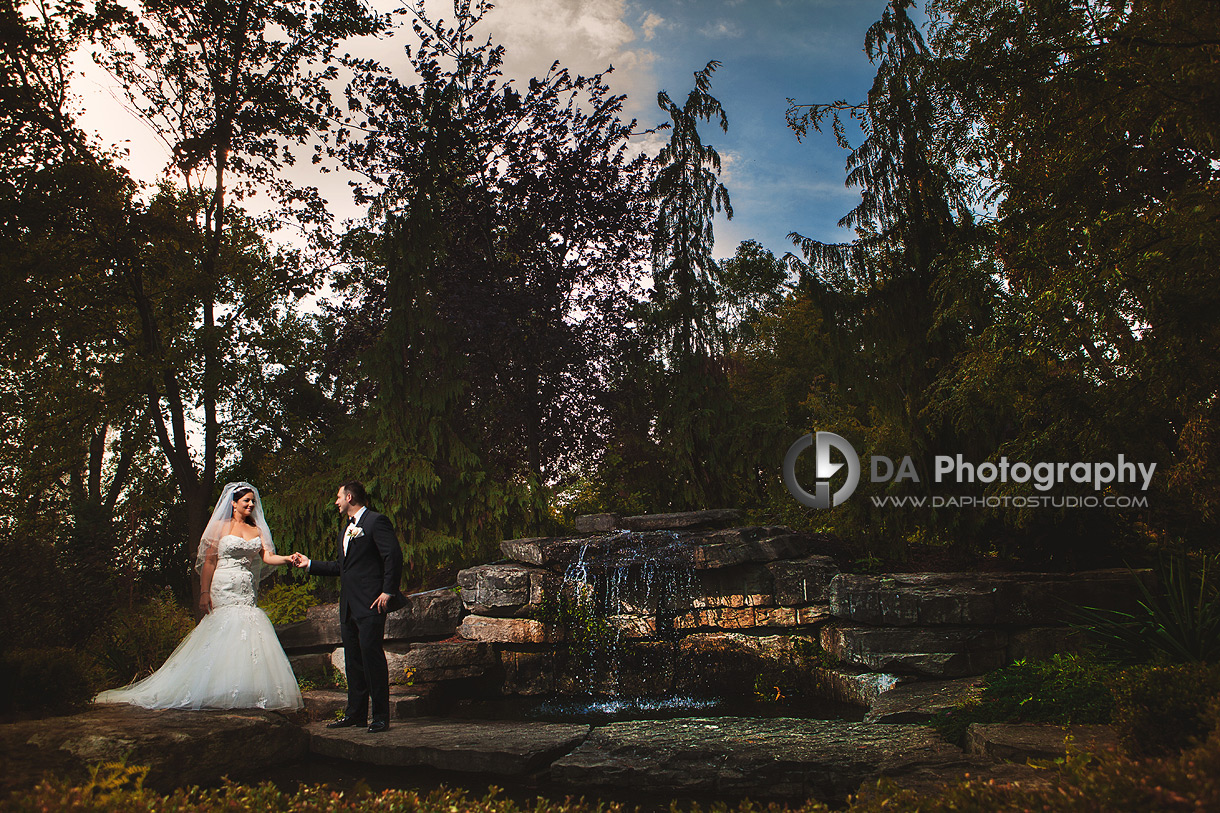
(378, 727)
(344, 722)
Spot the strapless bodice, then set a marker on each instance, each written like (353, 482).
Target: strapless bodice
(238, 561)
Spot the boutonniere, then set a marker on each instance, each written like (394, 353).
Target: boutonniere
(354, 531)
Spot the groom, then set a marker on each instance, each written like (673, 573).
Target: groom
(369, 566)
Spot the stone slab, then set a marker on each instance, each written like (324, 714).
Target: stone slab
(180, 747)
(917, 702)
(311, 665)
(978, 599)
(596, 523)
(777, 758)
(748, 585)
(323, 704)
(738, 546)
(500, 747)
(1020, 742)
(935, 652)
(318, 632)
(449, 660)
(797, 582)
(428, 615)
(744, 618)
(506, 589)
(856, 688)
(685, 520)
(506, 630)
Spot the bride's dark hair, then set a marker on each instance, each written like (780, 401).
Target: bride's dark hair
(237, 495)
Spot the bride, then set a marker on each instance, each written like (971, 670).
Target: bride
(232, 659)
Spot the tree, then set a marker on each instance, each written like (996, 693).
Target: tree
(900, 301)
(506, 223)
(230, 88)
(688, 194)
(1096, 124)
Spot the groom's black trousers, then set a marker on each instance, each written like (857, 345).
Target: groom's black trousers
(368, 677)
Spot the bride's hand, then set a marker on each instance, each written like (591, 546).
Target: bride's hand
(205, 604)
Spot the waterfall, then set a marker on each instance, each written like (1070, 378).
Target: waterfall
(621, 588)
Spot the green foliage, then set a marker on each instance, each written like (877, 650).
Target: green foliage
(36, 682)
(1178, 623)
(1065, 689)
(685, 298)
(1082, 782)
(287, 602)
(1163, 709)
(138, 639)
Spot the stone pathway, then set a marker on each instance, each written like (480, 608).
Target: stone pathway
(780, 758)
(181, 747)
(501, 747)
(733, 757)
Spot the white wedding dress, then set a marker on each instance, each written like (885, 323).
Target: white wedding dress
(232, 659)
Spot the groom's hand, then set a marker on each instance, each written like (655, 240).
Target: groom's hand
(300, 560)
(380, 602)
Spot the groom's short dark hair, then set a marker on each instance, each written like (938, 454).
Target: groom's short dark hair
(355, 490)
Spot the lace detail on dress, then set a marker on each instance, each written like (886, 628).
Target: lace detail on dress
(235, 580)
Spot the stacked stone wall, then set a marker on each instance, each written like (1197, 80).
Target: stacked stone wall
(759, 596)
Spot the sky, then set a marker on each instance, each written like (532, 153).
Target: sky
(769, 50)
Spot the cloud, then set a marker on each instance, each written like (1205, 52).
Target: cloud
(722, 28)
(651, 23)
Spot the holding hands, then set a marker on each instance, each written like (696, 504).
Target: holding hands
(299, 560)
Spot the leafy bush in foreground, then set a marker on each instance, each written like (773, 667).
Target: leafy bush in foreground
(1110, 782)
(1163, 709)
(1065, 689)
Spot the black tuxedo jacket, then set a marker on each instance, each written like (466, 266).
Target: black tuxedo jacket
(372, 566)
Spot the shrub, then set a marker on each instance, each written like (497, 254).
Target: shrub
(54, 680)
(139, 639)
(1065, 689)
(1162, 709)
(1110, 782)
(1178, 623)
(288, 602)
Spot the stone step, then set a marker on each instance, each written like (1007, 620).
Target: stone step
(734, 757)
(1020, 742)
(323, 705)
(918, 702)
(980, 599)
(500, 747)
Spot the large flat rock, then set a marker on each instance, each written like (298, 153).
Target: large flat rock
(933, 652)
(778, 758)
(501, 747)
(918, 702)
(1019, 742)
(979, 599)
(803, 581)
(685, 520)
(429, 615)
(180, 747)
(506, 589)
(736, 546)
